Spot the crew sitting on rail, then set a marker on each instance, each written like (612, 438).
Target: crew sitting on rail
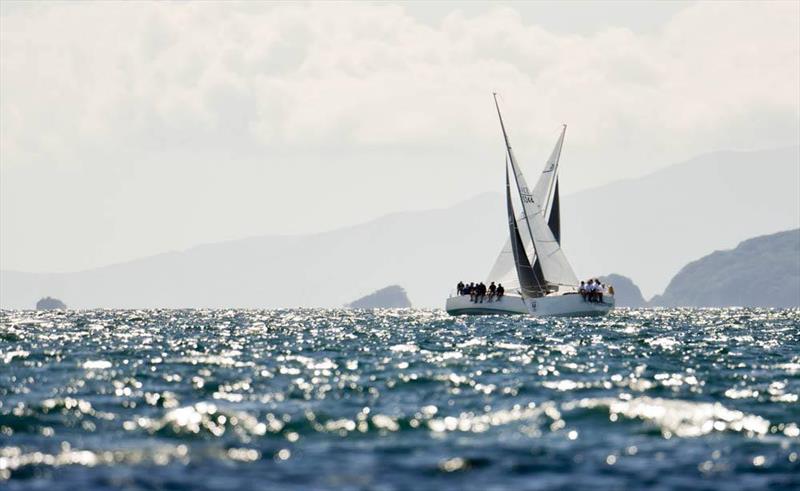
(592, 291)
(598, 291)
(477, 291)
(480, 292)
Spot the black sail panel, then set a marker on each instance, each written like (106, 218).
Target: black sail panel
(554, 222)
(530, 277)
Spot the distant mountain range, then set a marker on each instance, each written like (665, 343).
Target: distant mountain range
(759, 272)
(646, 228)
(649, 228)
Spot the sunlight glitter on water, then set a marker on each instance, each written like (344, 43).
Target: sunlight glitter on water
(406, 399)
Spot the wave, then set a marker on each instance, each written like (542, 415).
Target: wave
(677, 417)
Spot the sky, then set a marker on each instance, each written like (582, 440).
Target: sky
(130, 129)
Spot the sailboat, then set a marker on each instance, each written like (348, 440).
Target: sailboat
(532, 267)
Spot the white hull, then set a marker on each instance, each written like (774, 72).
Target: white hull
(551, 305)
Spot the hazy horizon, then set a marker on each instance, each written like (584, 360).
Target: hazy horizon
(490, 229)
(128, 130)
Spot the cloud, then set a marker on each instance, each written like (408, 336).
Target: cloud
(371, 74)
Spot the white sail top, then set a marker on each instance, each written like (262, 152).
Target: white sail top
(545, 186)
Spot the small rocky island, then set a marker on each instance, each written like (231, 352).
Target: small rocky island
(626, 293)
(50, 303)
(391, 297)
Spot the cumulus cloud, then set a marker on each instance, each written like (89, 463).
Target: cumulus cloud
(97, 85)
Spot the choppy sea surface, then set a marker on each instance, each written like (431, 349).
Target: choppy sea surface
(399, 399)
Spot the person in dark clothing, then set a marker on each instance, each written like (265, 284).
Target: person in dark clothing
(472, 292)
(460, 287)
(492, 291)
(481, 291)
(500, 291)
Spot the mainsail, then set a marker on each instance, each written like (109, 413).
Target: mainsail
(535, 235)
(531, 282)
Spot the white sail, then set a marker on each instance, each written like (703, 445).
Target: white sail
(503, 270)
(556, 270)
(555, 267)
(545, 186)
(519, 179)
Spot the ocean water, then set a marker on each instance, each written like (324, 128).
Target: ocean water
(398, 399)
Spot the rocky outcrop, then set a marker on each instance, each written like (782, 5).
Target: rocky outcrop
(50, 303)
(390, 297)
(626, 293)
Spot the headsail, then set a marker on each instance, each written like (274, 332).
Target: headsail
(555, 267)
(545, 189)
